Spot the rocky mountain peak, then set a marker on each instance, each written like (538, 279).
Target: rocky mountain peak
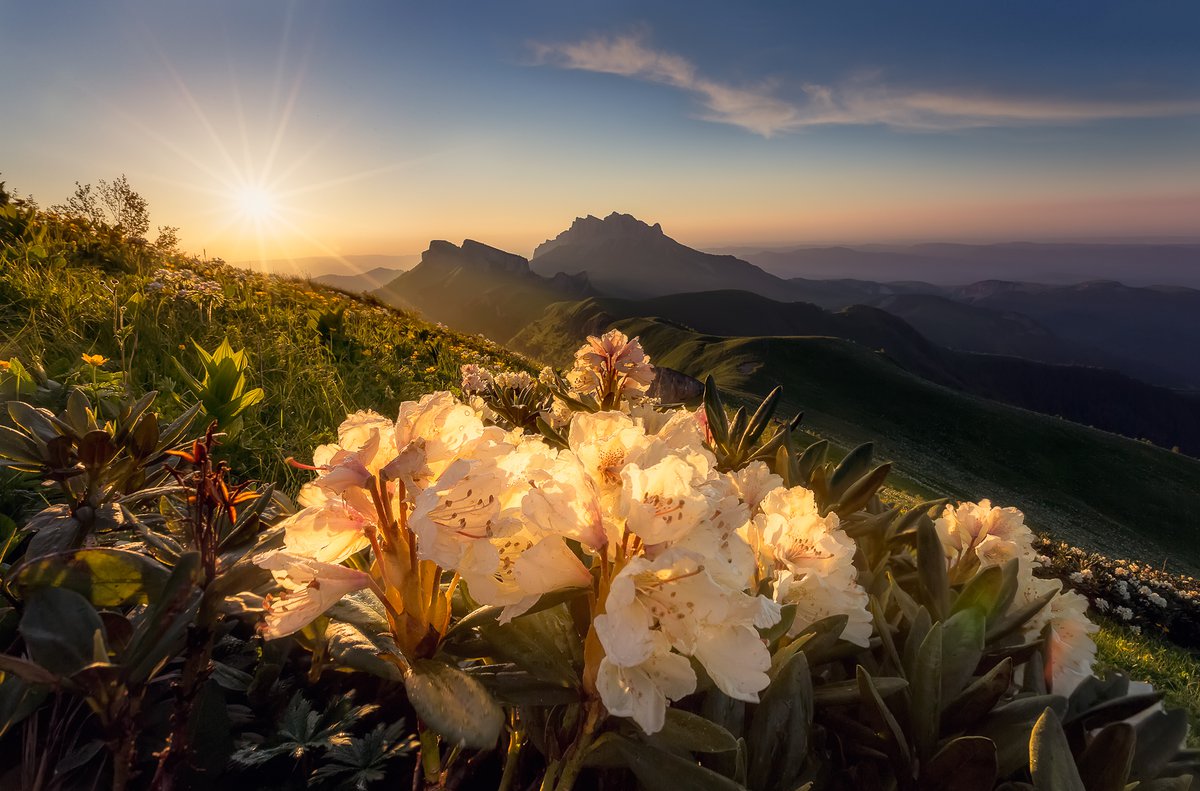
(472, 255)
(590, 229)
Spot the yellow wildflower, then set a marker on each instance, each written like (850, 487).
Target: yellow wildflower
(5, 365)
(94, 360)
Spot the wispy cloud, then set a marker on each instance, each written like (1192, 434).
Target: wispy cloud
(861, 101)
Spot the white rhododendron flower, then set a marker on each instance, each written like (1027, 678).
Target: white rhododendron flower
(310, 587)
(611, 363)
(998, 535)
(994, 534)
(812, 561)
(673, 603)
(1070, 649)
(330, 532)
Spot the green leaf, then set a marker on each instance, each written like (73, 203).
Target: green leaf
(962, 647)
(455, 705)
(1050, 760)
(544, 643)
(778, 736)
(1159, 738)
(967, 763)
(858, 494)
(355, 647)
(931, 569)
(106, 577)
(656, 769)
(518, 687)
(926, 698)
(1009, 623)
(842, 693)
(60, 628)
(982, 591)
(1107, 760)
(853, 466)
(979, 698)
(892, 733)
(693, 733)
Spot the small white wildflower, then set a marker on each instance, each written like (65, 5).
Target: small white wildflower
(1041, 560)
(1135, 629)
(1144, 591)
(1123, 590)
(475, 379)
(1157, 600)
(1102, 605)
(514, 380)
(1077, 578)
(1124, 613)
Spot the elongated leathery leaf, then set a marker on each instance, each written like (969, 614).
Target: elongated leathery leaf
(1050, 760)
(106, 577)
(455, 705)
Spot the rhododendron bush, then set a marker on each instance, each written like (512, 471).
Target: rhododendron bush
(614, 584)
(563, 583)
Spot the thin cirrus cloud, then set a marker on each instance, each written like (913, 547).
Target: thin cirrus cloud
(862, 101)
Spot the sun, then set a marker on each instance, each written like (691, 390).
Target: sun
(255, 204)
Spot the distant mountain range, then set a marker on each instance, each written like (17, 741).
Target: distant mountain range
(959, 264)
(320, 267)
(1099, 353)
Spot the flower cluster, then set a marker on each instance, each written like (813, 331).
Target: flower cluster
(184, 284)
(1135, 594)
(633, 509)
(978, 535)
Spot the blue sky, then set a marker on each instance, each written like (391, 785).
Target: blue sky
(290, 129)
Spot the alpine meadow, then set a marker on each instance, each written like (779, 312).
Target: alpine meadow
(851, 441)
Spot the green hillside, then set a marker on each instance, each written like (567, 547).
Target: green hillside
(68, 289)
(1089, 487)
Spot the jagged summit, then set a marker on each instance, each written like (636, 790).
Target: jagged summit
(471, 254)
(591, 229)
(626, 257)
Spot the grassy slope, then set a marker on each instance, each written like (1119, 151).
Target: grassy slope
(56, 303)
(1095, 489)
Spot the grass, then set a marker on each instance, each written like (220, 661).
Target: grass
(318, 353)
(1172, 670)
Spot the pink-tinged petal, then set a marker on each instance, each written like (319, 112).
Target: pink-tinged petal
(329, 533)
(310, 588)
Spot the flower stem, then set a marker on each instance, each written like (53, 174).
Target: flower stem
(567, 771)
(512, 757)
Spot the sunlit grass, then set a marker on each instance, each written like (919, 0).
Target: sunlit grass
(1172, 670)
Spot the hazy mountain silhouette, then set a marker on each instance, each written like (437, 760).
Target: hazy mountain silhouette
(1152, 333)
(478, 288)
(362, 282)
(1087, 395)
(625, 257)
(956, 264)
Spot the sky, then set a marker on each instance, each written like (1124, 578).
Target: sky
(272, 129)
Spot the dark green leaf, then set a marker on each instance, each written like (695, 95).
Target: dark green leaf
(1106, 761)
(106, 577)
(60, 628)
(455, 705)
(656, 769)
(965, 764)
(692, 733)
(1050, 760)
